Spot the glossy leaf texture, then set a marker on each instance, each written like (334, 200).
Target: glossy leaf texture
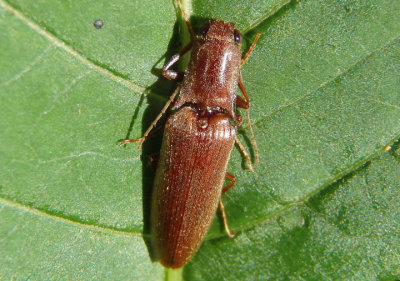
(324, 85)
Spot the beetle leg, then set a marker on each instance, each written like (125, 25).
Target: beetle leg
(145, 135)
(151, 134)
(250, 50)
(245, 104)
(245, 154)
(228, 232)
(241, 103)
(230, 178)
(173, 74)
(241, 147)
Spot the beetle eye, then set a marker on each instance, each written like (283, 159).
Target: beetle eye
(237, 36)
(204, 30)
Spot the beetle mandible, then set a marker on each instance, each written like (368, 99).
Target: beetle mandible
(198, 140)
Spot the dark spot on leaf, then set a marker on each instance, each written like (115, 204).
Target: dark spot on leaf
(98, 24)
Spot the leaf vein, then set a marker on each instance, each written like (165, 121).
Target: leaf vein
(29, 67)
(380, 102)
(324, 84)
(43, 214)
(61, 44)
(274, 10)
(92, 153)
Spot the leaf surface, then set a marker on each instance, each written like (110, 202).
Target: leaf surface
(324, 86)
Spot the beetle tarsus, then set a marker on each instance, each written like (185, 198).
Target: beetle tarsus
(245, 154)
(227, 230)
(122, 142)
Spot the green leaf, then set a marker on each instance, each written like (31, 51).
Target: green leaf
(324, 86)
(37, 246)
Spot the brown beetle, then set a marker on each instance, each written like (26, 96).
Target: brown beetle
(198, 140)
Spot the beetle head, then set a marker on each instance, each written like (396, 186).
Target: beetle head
(221, 31)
